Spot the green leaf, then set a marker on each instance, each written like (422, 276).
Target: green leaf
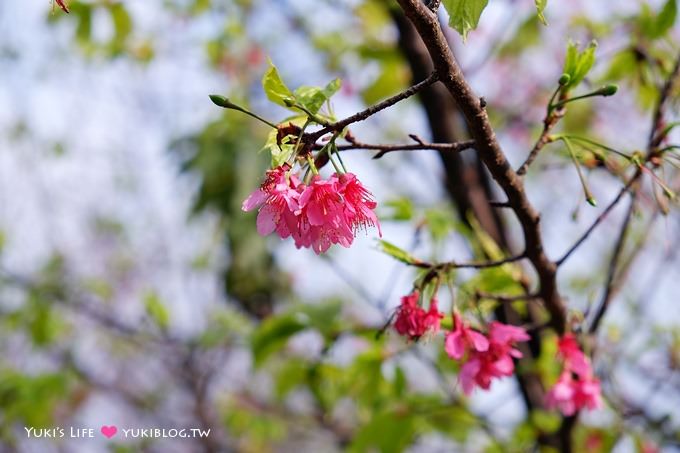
(281, 154)
(527, 35)
(546, 365)
(31, 399)
(464, 14)
(306, 98)
(386, 432)
(275, 89)
(274, 333)
(323, 317)
(666, 18)
(453, 421)
(394, 77)
(540, 7)
(397, 253)
(577, 64)
(654, 26)
(440, 223)
(401, 209)
(156, 310)
(122, 24)
(312, 98)
(546, 422)
(293, 373)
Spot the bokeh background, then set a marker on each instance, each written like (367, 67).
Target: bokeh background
(134, 292)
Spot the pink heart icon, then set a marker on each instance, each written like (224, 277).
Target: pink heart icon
(109, 431)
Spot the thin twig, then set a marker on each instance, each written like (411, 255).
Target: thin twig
(613, 266)
(506, 299)
(372, 110)
(656, 136)
(551, 119)
(471, 265)
(388, 148)
(598, 220)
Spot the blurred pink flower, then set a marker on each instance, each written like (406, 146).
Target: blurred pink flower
(574, 358)
(432, 319)
(413, 321)
(489, 357)
(561, 395)
(576, 388)
(463, 338)
(570, 395)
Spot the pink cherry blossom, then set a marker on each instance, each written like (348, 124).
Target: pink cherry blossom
(413, 321)
(316, 215)
(505, 334)
(574, 358)
(322, 203)
(488, 357)
(577, 388)
(277, 201)
(561, 395)
(469, 373)
(483, 367)
(322, 220)
(589, 393)
(432, 319)
(570, 395)
(463, 338)
(359, 203)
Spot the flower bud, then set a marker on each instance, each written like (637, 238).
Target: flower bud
(609, 90)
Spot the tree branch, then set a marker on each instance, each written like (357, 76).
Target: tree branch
(613, 266)
(506, 299)
(473, 265)
(388, 148)
(656, 136)
(451, 76)
(549, 123)
(372, 110)
(599, 219)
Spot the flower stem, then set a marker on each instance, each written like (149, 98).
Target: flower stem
(310, 161)
(592, 142)
(337, 153)
(589, 196)
(225, 103)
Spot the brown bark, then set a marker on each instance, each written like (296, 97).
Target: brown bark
(469, 188)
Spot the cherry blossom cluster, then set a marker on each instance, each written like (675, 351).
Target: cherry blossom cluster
(413, 321)
(490, 356)
(317, 214)
(577, 387)
(484, 357)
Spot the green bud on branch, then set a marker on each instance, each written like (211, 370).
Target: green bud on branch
(225, 103)
(609, 90)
